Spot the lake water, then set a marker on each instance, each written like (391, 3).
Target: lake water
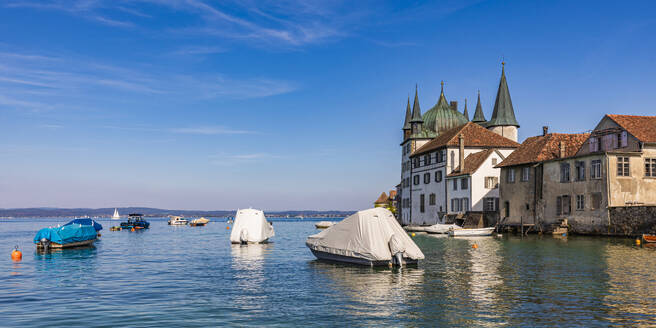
(192, 277)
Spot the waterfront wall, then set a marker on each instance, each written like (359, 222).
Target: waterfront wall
(632, 220)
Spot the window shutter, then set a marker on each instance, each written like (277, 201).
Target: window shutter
(496, 203)
(624, 139)
(592, 143)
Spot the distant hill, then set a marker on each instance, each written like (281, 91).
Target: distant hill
(147, 211)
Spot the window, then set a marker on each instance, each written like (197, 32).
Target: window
(416, 162)
(453, 163)
(580, 170)
(438, 176)
(510, 177)
(525, 173)
(490, 204)
(464, 184)
(491, 182)
(421, 203)
(455, 205)
(431, 199)
(564, 172)
(427, 159)
(650, 167)
(416, 180)
(464, 204)
(595, 169)
(623, 167)
(494, 161)
(580, 202)
(426, 178)
(455, 184)
(563, 205)
(594, 144)
(596, 200)
(507, 207)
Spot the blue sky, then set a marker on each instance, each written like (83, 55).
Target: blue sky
(287, 104)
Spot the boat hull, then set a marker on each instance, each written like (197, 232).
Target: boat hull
(442, 228)
(266, 241)
(649, 238)
(196, 224)
(471, 232)
(68, 245)
(324, 256)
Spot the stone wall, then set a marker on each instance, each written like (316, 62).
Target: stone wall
(632, 220)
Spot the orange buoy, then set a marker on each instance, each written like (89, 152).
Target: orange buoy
(475, 246)
(228, 227)
(16, 255)
(132, 229)
(98, 234)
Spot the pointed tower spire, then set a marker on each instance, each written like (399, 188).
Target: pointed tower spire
(479, 117)
(406, 123)
(416, 111)
(503, 114)
(465, 111)
(442, 103)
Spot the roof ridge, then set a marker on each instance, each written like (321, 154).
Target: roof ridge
(628, 115)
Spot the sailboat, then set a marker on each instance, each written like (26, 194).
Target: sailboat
(116, 216)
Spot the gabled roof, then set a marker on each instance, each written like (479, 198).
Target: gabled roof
(475, 136)
(503, 113)
(382, 199)
(472, 163)
(406, 123)
(543, 148)
(641, 127)
(479, 117)
(416, 111)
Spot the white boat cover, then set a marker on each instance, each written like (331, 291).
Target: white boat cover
(367, 234)
(254, 225)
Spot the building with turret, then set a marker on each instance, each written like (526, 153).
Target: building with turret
(447, 162)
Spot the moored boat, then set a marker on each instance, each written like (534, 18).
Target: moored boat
(414, 228)
(649, 238)
(472, 232)
(442, 228)
(323, 224)
(371, 237)
(251, 227)
(78, 232)
(135, 221)
(116, 216)
(178, 220)
(199, 222)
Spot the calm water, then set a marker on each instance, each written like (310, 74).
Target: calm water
(193, 277)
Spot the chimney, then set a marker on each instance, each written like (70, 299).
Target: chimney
(461, 144)
(454, 105)
(545, 130)
(561, 153)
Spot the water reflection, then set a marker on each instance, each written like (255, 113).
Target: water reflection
(372, 291)
(249, 276)
(66, 253)
(485, 260)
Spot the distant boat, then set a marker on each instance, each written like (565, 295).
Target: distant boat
(471, 232)
(116, 216)
(324, 224)
(178, 220)
(135, 221)
(199, 222)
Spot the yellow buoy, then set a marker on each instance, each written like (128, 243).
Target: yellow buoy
(638, 242)
(475, 246)
(16, 255)
(412, 234)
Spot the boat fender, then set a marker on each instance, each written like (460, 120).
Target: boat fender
(243, 236)
(399, 258)
(16, 255)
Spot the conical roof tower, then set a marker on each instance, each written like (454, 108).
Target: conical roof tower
(503, 114)
(406, 124)
(479, 117)
(465, 111)
(416, 111)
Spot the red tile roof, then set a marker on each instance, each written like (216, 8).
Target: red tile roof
(392, 194)
(641, 127)
(473, 162)
(544, 148)
(475, 136)
(382, 199)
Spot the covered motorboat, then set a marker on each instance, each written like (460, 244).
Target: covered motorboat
(442, 228)
(135, 221)
(199, 222)
(323, 224)
(79, 232)
(370, 237)
(178, 220)
(250, 227)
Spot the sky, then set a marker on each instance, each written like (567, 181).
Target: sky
(285, 104)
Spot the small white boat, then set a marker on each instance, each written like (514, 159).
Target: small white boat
(116, 216)
(199, 222)
(324, 224)
(442, 228)
(472, 232)
(178, 220)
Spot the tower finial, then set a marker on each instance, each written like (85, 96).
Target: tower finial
(442, 84)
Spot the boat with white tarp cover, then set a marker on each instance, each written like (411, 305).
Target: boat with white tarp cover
(251, 227)
(370, 237)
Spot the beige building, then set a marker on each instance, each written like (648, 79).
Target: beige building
(600, 183)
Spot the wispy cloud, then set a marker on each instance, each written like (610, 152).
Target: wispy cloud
(209, 130)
